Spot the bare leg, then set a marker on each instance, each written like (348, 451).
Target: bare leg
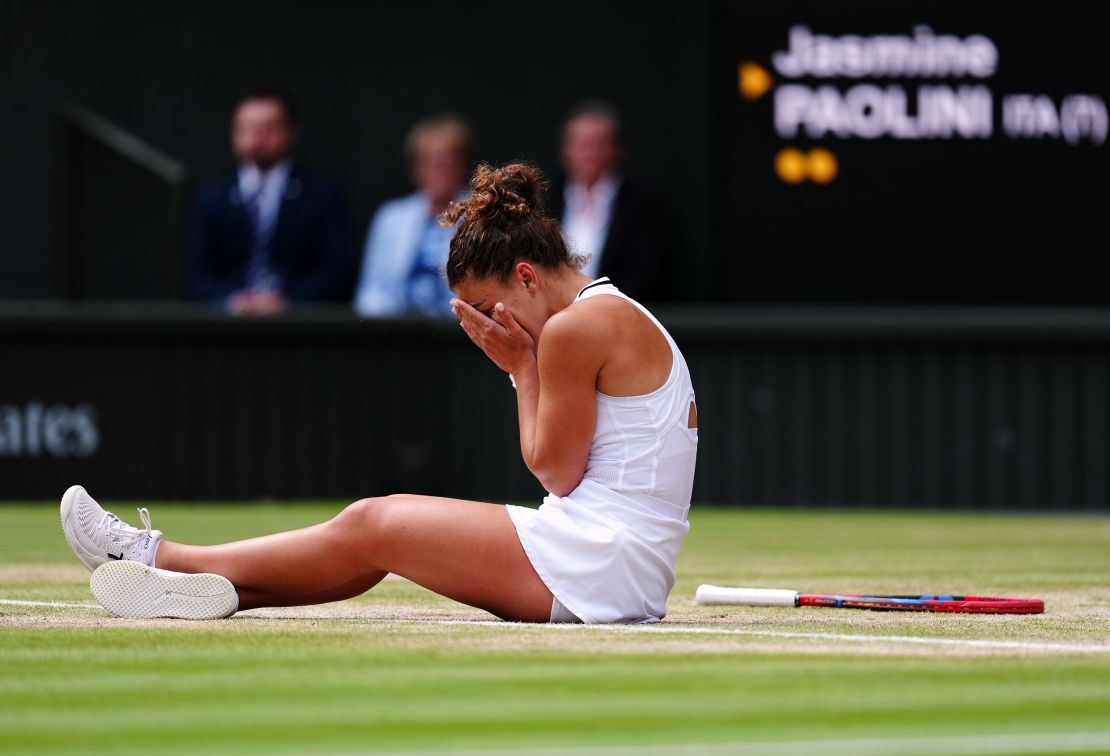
(464, 550)
(250, 598)
(309, 560)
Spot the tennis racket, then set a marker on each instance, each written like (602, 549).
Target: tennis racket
(713, 594)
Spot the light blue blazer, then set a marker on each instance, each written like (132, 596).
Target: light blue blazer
(391, 247)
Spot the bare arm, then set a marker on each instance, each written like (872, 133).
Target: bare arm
(556, 401)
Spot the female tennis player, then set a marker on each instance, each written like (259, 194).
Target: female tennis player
(607, 422)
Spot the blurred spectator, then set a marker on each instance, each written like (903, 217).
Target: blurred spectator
(406, 248)
(272, 232)
(606, 214)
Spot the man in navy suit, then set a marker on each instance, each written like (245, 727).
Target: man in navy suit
(618, 222)
(272, 233)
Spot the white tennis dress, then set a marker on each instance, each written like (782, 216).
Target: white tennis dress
(607, 551)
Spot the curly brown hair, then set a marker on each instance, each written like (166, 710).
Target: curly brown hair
(501, 223)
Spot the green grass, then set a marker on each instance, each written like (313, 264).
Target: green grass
(344, 680)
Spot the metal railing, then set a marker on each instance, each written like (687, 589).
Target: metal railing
(81, 128)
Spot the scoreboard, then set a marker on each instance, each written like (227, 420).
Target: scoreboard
(906, 153)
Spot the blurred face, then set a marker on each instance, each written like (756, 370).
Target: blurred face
(439, 166)
(590, 149)
(527, 305)
(261, 133)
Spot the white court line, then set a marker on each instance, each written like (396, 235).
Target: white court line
(63, 604)
(649, 629)
(949, 745)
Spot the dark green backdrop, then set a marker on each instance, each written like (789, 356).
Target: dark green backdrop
(169, 72)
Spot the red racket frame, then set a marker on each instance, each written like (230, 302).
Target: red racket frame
(931, 603)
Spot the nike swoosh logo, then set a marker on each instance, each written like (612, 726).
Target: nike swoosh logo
(113, 556)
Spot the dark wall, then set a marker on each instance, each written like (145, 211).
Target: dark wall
(170, 71)
(1004, 409)
(999, 219)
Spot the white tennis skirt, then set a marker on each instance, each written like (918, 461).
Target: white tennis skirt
(605, 556)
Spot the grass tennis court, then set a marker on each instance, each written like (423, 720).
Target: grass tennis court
(375, 675)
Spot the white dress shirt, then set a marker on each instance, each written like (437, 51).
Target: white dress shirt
(270, 183)
(587, 217)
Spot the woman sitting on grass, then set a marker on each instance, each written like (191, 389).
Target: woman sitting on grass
(608, 425)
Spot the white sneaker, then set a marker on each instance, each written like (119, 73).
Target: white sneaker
(133, 590)
(97, 536)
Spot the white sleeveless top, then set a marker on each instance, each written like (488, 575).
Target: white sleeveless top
(607, 550)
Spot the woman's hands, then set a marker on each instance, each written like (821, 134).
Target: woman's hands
(499, 335)
(556, 424)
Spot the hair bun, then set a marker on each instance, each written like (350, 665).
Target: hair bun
(500, 223)
(513, 190)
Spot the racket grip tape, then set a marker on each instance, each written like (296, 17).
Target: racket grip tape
(715, 594)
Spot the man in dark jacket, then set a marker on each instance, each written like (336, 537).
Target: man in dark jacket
(272, 233)
(618, 222)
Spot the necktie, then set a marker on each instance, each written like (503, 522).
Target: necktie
(259, 274)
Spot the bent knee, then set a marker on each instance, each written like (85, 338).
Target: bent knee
(369, 518)
(358, 529)
(359, 515)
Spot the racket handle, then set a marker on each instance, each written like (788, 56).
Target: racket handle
(714, 594)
